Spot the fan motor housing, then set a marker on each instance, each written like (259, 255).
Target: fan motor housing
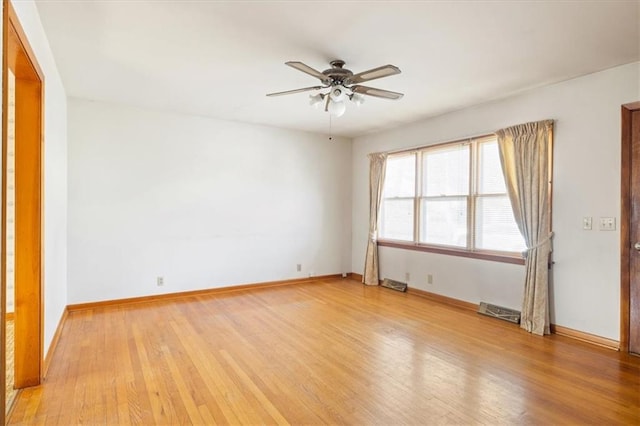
(336, 73)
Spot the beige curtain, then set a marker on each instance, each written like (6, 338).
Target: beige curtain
(376, 181)
(525, 153)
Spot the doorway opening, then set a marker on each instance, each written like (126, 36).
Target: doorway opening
(21, 208)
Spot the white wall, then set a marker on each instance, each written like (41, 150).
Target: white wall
(202, 202)
(586, 279)
(55, 171)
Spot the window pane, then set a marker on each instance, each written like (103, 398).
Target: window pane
(491, 179)
(444, 221)
(400, 176)
(446, 171)
(396, 221)
(496, 228)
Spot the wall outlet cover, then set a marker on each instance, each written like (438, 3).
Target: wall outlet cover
(607, 223)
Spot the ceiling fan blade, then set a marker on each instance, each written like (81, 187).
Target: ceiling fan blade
(378, 93)
(307, 69)
(372, 74)
(290, 92)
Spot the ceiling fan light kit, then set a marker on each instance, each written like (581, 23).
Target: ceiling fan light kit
(340, 85)
(337, 109)
(316, 100)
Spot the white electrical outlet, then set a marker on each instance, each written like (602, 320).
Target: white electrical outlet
(160, 281)
(429, 279)
(587, 223)
(299, 267)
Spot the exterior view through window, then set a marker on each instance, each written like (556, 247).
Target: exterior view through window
(450, 195)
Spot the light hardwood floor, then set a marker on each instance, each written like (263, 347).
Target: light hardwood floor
(328, 352)
(10, 392)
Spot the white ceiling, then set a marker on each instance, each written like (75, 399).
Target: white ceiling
(220, 58)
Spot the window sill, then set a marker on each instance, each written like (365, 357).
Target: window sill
(515, 259)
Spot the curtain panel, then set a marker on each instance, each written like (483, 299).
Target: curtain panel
(377, 166)
(525, 154)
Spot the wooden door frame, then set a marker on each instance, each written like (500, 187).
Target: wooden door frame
(18, 56)
(625, 223)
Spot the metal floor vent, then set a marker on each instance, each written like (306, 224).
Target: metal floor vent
(499, 312)
(394, 285)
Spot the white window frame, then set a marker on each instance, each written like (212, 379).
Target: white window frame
(470, 250)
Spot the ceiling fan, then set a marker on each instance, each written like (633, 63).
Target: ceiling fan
(342, 84)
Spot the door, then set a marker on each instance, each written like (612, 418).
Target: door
(630, 230)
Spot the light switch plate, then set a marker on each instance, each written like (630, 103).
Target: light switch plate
(587, 223)
(607, 223)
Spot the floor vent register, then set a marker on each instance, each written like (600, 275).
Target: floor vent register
(394, 285)
(499, 312)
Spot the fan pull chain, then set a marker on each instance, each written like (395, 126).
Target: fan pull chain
(330, 130)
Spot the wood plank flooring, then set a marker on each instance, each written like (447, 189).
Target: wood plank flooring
(332, 352)
(10, 392)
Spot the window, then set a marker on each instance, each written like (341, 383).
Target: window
(399, 196)
(450, 196)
